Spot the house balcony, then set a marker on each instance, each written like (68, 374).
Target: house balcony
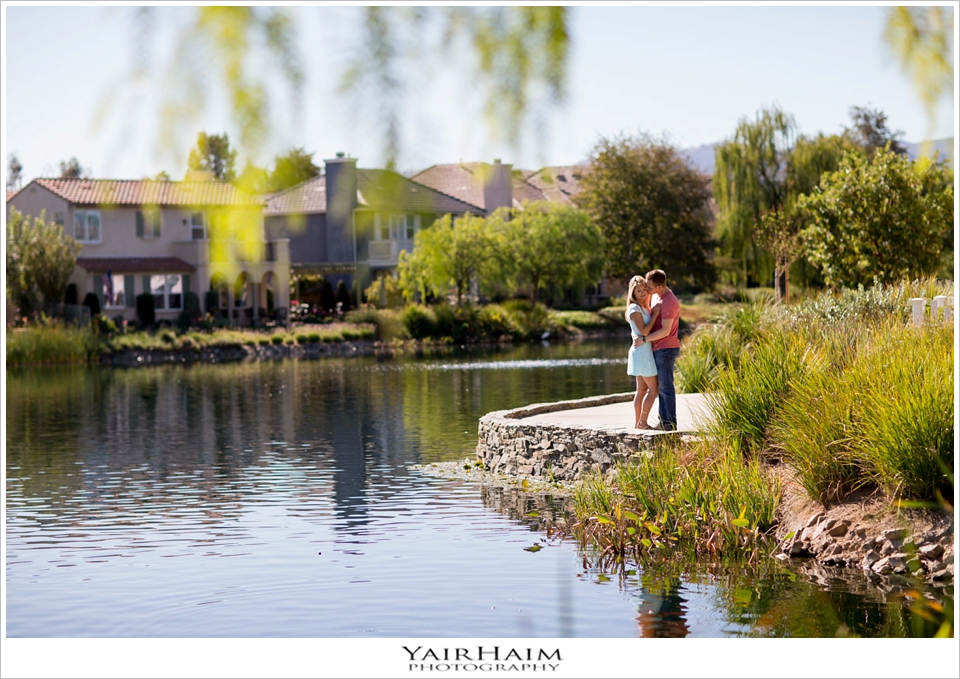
(386, 253)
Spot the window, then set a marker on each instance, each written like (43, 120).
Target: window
(167, 291)
(119, 293)
(396, 227)
(197, 226)
(58, 218)
(86, 226)
(148, 224)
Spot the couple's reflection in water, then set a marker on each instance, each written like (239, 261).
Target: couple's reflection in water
(662, 611)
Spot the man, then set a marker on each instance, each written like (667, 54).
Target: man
(666, 346)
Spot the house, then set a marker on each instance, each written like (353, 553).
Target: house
(352, 224)
(490, 186)
(145, 236)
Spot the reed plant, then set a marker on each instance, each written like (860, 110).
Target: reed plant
(51, 343)
(697, 495)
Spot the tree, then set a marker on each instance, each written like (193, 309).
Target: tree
(213, 154)
(762, 171)
(294, 167)
(448, 254)
(870, 131)
(652, 208)
(749, 180)
(549, 245)
(14, 173)
(40, 259)
(72, 168)
(879, 218)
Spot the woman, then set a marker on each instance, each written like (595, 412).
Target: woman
(640, 363)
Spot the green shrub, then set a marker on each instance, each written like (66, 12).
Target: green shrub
(387, 322)
(188, 343)
(344, 298)
(419, 321)
(360, 332)
(263, 341)
(302, 338)
(167, 336)
(211, 301)
(529, 322)
(191, 310)
(93, 302)
(146, 313)
(276, 339)
(494, 321)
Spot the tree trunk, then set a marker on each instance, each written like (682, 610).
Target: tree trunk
(781, 282)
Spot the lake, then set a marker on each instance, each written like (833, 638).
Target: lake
(280, 499)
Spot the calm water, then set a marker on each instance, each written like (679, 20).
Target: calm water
(278, 499)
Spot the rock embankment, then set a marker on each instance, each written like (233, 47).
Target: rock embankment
(234, 353)
(869, 534)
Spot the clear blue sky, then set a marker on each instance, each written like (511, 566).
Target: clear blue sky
(689, 71)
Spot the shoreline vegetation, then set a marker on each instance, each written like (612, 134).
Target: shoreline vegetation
(415, 326)
(833, 438)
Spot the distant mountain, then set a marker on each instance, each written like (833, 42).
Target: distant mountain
(702, 156)
(943, 146)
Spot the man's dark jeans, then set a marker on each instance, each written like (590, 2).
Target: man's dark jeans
(665, 359)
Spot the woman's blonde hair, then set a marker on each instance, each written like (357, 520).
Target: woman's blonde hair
(635, 282)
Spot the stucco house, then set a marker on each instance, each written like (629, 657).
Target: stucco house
(144, 236)
(352, 224)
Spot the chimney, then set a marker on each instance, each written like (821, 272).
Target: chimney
(341, 189)
(497, 187)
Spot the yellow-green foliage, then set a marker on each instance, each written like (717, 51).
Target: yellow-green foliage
(843, 386)
(51, 343)
(700, 495)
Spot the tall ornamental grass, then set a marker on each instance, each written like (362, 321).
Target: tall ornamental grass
(744, 400)
(51, 344)
(885, 417)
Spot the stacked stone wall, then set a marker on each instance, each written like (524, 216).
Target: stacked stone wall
(509, 445)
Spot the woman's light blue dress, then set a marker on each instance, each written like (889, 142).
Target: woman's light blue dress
(640, 359)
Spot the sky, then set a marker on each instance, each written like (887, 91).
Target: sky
(691, 72)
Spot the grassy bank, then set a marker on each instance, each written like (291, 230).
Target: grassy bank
(842, 388)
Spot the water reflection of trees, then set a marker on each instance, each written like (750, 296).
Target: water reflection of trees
(351, 427)
(768, 599)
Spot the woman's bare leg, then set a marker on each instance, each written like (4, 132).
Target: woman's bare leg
(638, 401)
(651, 388)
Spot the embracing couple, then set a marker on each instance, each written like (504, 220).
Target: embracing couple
(653, 312)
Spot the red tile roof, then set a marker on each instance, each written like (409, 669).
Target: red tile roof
(11, 194)
(306, 198)
(557, 184)
(465, 181)
(147, 192)
(134, 264)
(378, 189)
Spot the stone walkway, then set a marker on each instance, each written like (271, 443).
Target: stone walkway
(693, 413)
